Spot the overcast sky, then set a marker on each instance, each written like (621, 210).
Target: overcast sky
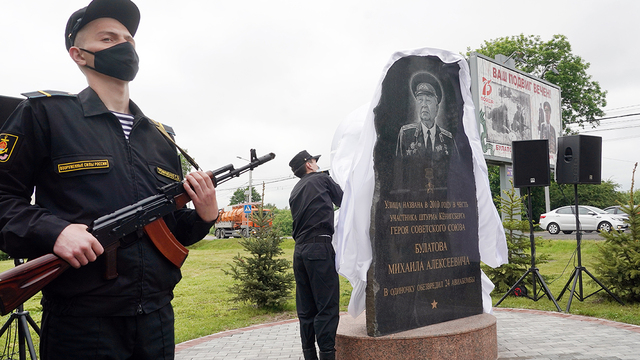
(279, 76)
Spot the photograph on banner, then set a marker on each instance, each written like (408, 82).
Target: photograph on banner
(513, 105)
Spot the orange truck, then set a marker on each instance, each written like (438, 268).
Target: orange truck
(235, 220)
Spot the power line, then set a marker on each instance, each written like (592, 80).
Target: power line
(623, 107)
(617, 116)
(629, 161)
(609, 129)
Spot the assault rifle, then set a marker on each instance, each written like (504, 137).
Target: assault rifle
(20, 283)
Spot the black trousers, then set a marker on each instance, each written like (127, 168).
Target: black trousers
(317, 294)
(139, 337)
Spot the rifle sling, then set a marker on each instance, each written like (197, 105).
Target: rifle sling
(164, 132)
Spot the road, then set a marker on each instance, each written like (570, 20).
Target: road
(585, 236)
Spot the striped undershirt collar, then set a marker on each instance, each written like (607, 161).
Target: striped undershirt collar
(126, 120)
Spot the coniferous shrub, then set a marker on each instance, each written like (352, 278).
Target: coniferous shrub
(517, 231)
(618, 259)
(263, 279)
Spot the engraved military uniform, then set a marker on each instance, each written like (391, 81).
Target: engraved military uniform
(73, 150)
(422, 168)
(412, 140)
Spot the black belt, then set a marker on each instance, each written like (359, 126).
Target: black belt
(321, 239)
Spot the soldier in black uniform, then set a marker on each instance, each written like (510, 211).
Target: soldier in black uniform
(86, 156)
(317, 283)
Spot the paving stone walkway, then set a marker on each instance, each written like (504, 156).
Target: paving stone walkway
(522, 334)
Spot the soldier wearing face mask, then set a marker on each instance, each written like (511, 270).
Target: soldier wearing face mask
(87, 155)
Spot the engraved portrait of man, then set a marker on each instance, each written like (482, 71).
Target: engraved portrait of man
(425, 138)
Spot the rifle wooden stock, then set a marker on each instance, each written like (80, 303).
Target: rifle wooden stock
(20, 283)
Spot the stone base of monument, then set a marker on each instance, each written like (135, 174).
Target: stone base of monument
(473, 337)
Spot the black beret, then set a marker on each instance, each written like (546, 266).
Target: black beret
(124, 11)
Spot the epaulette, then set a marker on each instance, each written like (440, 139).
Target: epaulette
(169, 129)
(446, 133)
(409, 126)
(164, 127)
(47, 93)
(166, 130)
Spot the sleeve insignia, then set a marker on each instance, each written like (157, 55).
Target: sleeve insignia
(7, 144)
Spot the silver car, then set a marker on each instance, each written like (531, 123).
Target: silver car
(616, 210)
(591, 219)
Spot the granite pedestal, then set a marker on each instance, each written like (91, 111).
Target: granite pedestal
(473, 337)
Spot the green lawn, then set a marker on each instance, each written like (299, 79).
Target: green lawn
(557, 273)
(202, 304)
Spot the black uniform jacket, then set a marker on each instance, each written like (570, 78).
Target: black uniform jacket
(72, 149)
(311, 203)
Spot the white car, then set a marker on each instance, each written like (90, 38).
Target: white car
(591, 219)
(616, 210)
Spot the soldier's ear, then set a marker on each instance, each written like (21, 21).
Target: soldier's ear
(77, 56)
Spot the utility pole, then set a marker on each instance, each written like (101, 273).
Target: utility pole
(250, 191)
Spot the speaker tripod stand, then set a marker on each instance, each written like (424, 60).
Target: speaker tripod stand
(22, 320)
(536, 278)
(576, 276)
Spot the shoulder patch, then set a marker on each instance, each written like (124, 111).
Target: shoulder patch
(47, 93)
(7, 144)
(167, 174)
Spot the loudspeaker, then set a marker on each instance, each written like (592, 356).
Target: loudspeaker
(530, 163)
(7, 105)
(579, 159)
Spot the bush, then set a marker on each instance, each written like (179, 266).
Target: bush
(262, 278)
(283, 222)
(618, 260)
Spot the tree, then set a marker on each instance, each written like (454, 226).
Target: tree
(186, 165)
(601, 195)
(618, 263)
(240, 196)
(582, 98)
(263, 278)
(283, 222)
(494, 184)
(537, 193)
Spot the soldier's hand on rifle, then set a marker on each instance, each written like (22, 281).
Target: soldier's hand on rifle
(77, 246)
(202, 192)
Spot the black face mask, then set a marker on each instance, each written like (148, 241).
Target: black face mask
(119, 61)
